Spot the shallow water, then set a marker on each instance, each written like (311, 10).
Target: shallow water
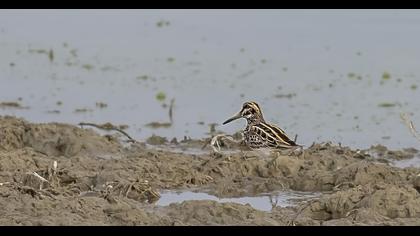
(412, 162)
(262, 202)
(316, 73)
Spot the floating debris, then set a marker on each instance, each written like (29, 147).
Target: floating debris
(387, 104)
(351, 75)
(59, 103)
(413, 87)
(109, 68)
(12, 64)
(142, 77)
(87, 66)
(101, 105)
(201, 123)
(82, 110)
(284, 69)
(162, 23)
(12, 105)
(51, 55)
(289, 96)
(386, 76)
(40, 51)
(263, 61)
(156, 125)
(170, 59)
(53, 112)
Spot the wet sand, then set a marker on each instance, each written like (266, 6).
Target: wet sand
(103, 180)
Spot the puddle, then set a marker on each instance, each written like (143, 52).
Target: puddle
(261, 202)
(412, 162)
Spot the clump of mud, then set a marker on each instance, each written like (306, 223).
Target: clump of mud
(59, 174)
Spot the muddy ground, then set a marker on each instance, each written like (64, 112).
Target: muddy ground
(59, 174)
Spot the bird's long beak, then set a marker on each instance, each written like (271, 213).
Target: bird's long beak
(237, 116)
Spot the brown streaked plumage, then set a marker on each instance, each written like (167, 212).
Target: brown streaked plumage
(258, 133)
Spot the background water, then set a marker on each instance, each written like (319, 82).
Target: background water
(315, 73)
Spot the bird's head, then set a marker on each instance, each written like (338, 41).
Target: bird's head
(251, 111)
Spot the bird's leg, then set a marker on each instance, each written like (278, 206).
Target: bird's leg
(215, 141)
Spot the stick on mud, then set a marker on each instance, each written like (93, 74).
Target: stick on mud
(108, 127)
(39, 177)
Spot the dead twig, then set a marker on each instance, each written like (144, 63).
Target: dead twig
(410, 125)
(108, 127)
(170, 110)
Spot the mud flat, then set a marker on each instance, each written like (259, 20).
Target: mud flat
(60, 174)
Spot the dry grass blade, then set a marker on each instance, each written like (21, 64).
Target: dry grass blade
(39, 177)
(410, 126)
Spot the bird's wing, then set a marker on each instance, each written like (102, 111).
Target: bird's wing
(276, 135)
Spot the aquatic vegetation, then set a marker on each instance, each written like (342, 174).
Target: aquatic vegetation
(156, 125)
(11, 105)
(387, 104)
(162, 23)
(51, 55)
(386, 76)
(87, 66)
(101, 105)
(142, 77)
(161, 96)
(82, 110)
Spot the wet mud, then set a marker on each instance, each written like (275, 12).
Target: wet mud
(60, 174)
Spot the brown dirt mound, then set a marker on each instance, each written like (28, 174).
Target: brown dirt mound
(98, 182)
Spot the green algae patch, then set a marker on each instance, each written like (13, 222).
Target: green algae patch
(161, 96)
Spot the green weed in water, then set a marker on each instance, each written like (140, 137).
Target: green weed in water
(386, 104)
(161, 96)
(386, 76)
(87, 66)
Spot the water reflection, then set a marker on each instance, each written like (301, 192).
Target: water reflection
(264, 202)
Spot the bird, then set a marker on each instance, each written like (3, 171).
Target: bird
(260, 134)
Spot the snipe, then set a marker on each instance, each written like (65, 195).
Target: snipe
(260, 134)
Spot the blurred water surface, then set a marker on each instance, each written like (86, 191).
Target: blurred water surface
(326, 75)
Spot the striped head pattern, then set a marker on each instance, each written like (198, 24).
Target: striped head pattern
(251, 111)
